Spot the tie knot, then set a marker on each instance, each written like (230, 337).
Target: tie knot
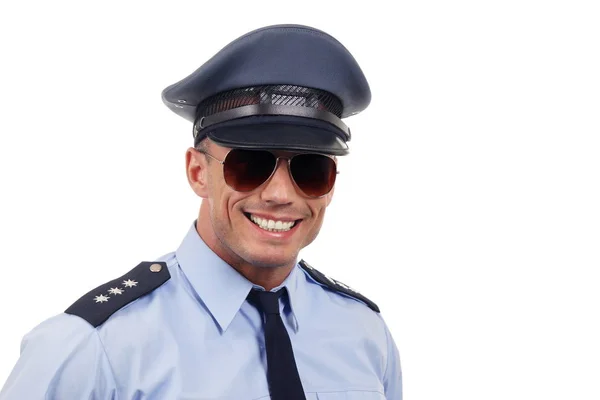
(267, 302)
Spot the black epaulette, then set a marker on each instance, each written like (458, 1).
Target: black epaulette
(336, 285)
(99, 304)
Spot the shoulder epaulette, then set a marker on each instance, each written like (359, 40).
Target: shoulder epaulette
(99, 304)
(336, 285)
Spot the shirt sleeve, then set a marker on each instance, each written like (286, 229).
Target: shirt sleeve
(62, 358)
(392, 379)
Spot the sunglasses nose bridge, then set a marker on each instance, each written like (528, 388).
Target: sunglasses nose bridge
(280, 188)
(288, 162)
(285, 163)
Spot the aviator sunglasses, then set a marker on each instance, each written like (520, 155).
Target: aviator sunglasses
(245, 170)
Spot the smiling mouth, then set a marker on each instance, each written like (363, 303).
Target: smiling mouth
(272, 225)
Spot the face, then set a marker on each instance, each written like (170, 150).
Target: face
(236, 224)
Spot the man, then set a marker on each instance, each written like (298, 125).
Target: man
(232, 314)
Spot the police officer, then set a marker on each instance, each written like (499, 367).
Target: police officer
(232, 313)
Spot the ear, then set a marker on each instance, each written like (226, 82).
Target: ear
(196, 167)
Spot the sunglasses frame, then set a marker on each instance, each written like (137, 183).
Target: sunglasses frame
(277, 158)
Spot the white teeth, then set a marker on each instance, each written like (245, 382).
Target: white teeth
(272, 226)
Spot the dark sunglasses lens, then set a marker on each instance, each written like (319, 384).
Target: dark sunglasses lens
(245, 170)
(313, 173)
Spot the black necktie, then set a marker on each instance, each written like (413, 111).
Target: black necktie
(282, 373)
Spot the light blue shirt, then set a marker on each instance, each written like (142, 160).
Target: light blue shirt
(196, 337)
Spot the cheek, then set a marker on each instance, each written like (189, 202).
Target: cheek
(218, 199)
(312, 230)
(318, 211)
(231, 205)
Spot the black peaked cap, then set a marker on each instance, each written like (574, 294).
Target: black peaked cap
(281, 86)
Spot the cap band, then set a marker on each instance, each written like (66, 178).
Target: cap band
(270, 109)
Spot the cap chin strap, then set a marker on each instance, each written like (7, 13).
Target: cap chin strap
(202, 123)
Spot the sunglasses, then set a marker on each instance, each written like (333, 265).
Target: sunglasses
(245, 170)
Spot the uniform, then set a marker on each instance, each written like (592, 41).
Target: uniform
(185, 326)
(195, 337)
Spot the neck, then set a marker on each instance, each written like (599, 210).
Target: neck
(266, 276)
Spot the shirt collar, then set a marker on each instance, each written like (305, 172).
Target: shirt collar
(292, 284)
(211, 277)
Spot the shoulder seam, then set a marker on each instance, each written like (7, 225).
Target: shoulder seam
(112, 370)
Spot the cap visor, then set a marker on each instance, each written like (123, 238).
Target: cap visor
(288, 133)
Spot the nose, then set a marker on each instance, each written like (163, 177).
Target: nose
(279, 189)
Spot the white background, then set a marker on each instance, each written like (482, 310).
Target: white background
(468, 208)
